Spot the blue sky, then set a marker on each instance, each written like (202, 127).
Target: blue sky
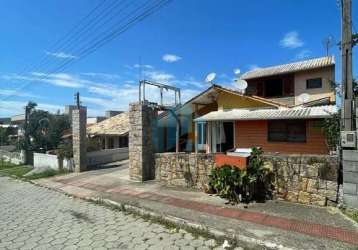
(178, 45)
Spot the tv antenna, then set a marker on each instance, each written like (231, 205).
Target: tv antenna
(241, 85)
(210, 78)
(328, 43)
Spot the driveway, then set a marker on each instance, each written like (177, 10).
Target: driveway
(32, 217)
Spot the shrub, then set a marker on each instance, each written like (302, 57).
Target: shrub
(234, 184)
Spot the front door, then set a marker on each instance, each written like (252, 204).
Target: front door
(222, 136)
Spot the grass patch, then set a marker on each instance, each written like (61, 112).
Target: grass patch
(9, 169)
(45, 174)
(17, 171)
(5, 165)
(353, 214)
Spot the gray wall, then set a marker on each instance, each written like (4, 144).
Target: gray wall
(106, 156)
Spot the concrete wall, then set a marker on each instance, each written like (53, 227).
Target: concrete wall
(106, 156)
(350, 178)
(16, 157)
(327, 75)
(47, 160)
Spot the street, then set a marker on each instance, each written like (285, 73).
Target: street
(33, 217)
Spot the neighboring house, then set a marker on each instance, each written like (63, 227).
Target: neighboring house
(112, 132)
(213, 99)
(19, 121)
(292, 127)
(285, 83)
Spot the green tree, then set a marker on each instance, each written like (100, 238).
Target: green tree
(43, 130)
(5, 133)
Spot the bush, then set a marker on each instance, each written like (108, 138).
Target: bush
(234, 184)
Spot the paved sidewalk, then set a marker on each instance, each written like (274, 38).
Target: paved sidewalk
(274, 222)
(33, 217)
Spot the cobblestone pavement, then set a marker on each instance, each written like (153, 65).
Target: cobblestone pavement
(33, 217)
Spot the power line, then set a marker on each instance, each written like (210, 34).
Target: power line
(76, 33)
(67, 34)
(100, 42)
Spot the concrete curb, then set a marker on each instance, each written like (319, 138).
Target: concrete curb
(180, 222)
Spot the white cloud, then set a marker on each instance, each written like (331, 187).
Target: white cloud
(101, 75)
(15, 92)
(303, 54)
(158, 76)
(143, 66)
(58, 79)
(253, 67)
(61, 55)
(9, 108)
(291, 40)
(170, 58)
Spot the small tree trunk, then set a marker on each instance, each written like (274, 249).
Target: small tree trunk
(60, 163)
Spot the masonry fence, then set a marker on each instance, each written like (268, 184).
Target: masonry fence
(308, 179)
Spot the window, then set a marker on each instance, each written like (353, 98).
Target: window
(201, 135)
(314, 83)
(287, 131)
(274, 88)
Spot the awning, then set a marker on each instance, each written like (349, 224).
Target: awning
(270, 114)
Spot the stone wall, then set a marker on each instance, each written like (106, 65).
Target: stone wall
(302, 179)
(305, 179)
(184, 169)
(79, 119)
(142, 125)
(15, 157)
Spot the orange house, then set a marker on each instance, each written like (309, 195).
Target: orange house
(285, 130)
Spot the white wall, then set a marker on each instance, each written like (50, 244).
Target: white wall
(106, 156)
(16, 157)
(47, 160)
(327, 75)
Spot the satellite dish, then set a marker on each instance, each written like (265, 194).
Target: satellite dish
(303, 98)
(210, 78)
(237, 71)
(241, 84)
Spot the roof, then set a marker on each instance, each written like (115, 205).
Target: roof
(116, 125)
(290, 67)
(206, 97)
(270, 114)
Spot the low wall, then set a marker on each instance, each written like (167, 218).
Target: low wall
(47, 160)
(16, 157)
(302, 179)
(305, 179)
(184, 169)
(106, 156)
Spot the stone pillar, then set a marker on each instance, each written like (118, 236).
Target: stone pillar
(79, 140)
(142, 127)
(350, 178)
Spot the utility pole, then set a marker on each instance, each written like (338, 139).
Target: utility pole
(349, 111)
(347, 77)
(26, 125)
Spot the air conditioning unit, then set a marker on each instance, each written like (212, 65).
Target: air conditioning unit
(348, 139)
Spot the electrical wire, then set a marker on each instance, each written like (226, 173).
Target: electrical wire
(101, 41)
